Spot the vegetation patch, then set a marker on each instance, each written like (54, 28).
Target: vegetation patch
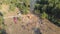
(49, 9)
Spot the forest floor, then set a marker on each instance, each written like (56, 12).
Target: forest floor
(26, 23)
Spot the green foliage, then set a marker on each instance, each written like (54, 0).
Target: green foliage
(25, 11)
(11, 7)
(21, 4)
(49, 9)
(1, 20)
(37, 12)
(44, 15)
(0, 7)
(23, 7)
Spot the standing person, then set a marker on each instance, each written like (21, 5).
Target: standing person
(15, 19)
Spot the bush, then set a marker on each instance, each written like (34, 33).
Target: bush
(25, 11)
(44, 15)
(12, 7)
(37, 12)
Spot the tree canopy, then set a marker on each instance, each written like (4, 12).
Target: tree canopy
(51, 8)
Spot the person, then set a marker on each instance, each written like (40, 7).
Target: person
(15, 19)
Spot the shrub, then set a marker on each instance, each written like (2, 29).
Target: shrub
(44, 15)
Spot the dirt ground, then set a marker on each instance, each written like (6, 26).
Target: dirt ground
(26, 23)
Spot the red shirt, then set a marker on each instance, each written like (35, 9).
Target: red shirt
(15, 19)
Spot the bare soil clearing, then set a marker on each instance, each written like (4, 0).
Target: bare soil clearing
(27, 22)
